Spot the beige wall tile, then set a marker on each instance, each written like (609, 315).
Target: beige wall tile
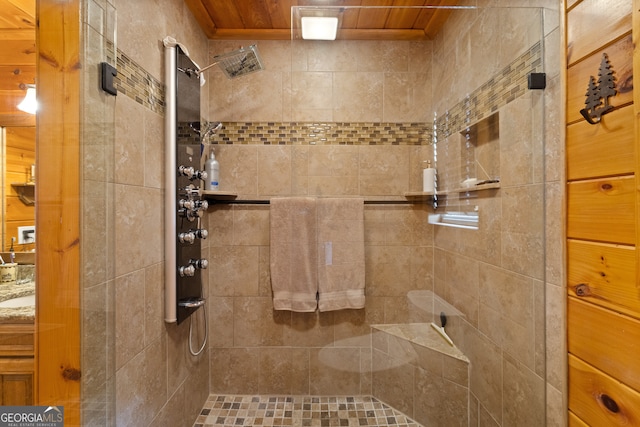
(129, 142)
(220, 311)
(487, 375)
(283, 371)
(233, 271)
(129, 299)
(241, 371)
(154, 325)
(393, 382)
(334, 371)
(256, 323)
(136, 217)
(358, 97)
(522, 385)
(238, 168)
(310, 329)
(251, 225)
(441, 402)
(274, 171)
(140, 391)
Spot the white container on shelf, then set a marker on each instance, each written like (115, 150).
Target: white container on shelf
(428, 178)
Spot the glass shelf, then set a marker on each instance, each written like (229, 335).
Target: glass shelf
(428, 195)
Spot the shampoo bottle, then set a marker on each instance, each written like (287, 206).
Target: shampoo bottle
(428, 178)
(212, 167)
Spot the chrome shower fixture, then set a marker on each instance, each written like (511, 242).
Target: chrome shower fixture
(210, 129)
(234, 64)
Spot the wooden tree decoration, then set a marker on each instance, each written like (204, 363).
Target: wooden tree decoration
(597, 96)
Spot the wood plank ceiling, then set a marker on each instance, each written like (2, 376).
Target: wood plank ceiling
(17, 58)
(271, 19)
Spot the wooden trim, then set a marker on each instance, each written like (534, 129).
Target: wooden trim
(635, 31)
(59, 70)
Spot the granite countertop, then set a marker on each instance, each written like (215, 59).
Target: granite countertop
(13, 290)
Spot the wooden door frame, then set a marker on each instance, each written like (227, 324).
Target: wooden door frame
(59, 68)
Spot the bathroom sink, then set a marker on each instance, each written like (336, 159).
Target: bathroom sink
(19, 302)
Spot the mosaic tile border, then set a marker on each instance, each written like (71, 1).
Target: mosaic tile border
(338, 133)
(507, 85)
(243, 410)
(136, 83)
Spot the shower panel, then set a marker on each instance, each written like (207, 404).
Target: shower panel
(184, 205)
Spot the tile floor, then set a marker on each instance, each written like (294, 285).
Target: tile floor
(234, 410)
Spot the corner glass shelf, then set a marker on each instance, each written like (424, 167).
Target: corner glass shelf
(428, 195)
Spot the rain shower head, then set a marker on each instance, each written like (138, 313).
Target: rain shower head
(237, 63)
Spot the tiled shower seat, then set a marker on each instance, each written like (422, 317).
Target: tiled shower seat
(416, 371)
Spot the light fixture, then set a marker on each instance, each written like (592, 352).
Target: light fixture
(29, 103)
(319, 27)
(315, 23)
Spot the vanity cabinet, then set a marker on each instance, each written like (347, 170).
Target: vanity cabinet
(16, 364)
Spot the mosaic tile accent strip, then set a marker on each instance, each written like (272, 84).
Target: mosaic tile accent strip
(230, 410)
(506, 86)
(136, 83)
(334, 133)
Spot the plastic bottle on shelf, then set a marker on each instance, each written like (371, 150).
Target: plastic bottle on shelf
(428, 178)
(212, 167)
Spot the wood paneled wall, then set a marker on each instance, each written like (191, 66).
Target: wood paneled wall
(20, 150)
(602, 220)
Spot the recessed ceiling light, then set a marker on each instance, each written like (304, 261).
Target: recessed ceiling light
(319, 27)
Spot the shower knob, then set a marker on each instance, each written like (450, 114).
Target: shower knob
(187, 171)
(188, 270)
(201, 204)
(189, 237)
(190, 214)
(199, 263)
(199, 175)
(191, 191)
(201, 233)
(187, 204)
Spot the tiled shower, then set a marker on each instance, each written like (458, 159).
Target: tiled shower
(340, 119)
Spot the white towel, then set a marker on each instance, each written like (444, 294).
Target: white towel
(293, 253)
(340, 253)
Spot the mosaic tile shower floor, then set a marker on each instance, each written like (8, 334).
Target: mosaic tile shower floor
(233, 410)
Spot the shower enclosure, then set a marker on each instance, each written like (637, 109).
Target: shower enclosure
(359, 118)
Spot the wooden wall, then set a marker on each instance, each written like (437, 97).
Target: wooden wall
(20, 150)
(17, 58)
(603, 309)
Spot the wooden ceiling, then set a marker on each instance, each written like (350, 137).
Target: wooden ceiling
(17, 58)
(271, 19)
